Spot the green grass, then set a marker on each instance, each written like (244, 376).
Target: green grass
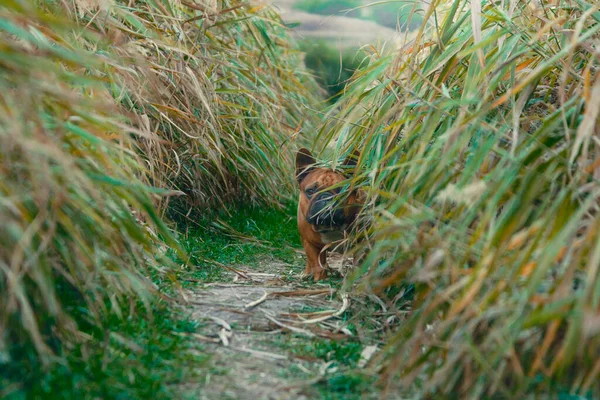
(343, 352)
(244, 237)
(347, 386)
(343, 380)
(136, 357)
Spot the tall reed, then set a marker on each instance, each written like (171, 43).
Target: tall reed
(480, 155)
(107, 110)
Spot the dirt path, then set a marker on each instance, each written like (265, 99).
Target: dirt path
(272, 335)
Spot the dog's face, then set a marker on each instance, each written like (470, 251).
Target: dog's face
(324, 202)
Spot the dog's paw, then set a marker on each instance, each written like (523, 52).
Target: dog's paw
(320, 275)
(305, 276)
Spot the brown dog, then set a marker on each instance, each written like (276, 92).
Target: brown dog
(324, 213)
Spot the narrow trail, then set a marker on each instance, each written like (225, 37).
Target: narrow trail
(272, 335)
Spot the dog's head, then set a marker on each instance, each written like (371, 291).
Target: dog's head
(325, 203)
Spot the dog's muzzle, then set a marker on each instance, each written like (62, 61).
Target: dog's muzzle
(325, 213)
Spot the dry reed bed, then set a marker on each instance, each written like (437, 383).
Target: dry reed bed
(480, 152)
(108, 108)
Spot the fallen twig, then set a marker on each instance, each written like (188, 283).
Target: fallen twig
(308, 314)
(366, 355)
(206, 338)
(259, 274)
(257, 302)
(290, 293)
(291, 328)
(199, 337)
(221, 322)
(345, 304)
(209, 303)
(234, 270)
(224, 335)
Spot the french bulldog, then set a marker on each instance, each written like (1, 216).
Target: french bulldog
(326, 212)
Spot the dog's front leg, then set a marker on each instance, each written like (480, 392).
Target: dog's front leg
(315, 260)
(320, 271)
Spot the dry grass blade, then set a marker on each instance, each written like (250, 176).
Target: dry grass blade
(366, 355)
(253, 304)
(587, 129)
(221, 322)
(289, 327)
(476, 21)
(345, 305)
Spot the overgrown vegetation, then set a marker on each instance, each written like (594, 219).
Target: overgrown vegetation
(108, 109)
(480, 155)
(392, 14)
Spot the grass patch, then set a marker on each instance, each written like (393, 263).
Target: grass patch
(347, 386)
(342, 380)
(344, 353)
(244, 236)
(136, 357)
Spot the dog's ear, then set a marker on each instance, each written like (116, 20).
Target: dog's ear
(304, 163)
(352, 159)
